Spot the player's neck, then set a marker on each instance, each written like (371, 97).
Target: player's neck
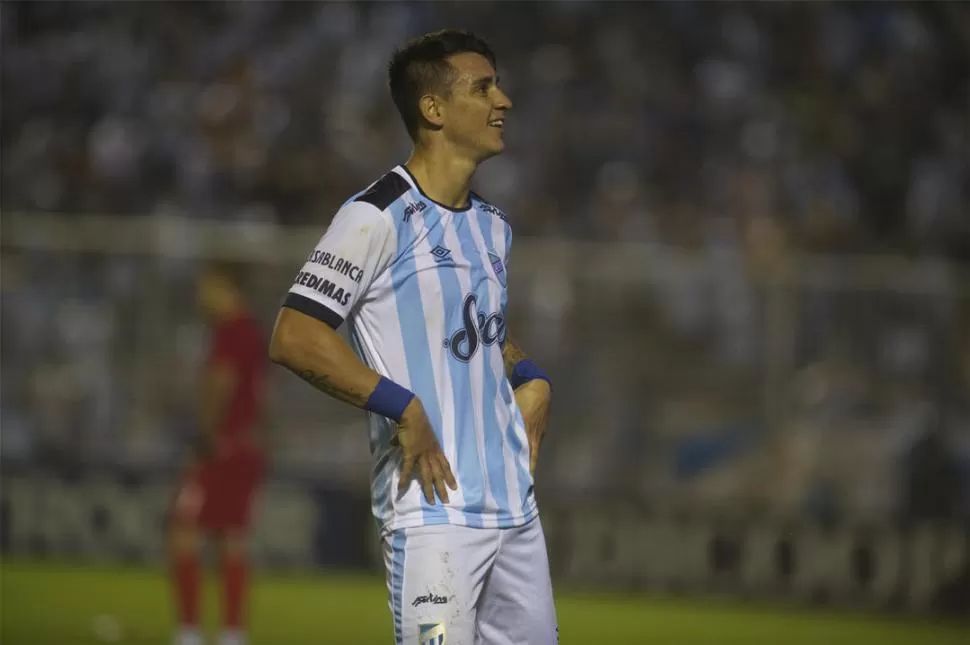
(444, 177)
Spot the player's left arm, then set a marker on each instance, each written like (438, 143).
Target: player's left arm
(533, 390)
(522, 371)
(533, 394)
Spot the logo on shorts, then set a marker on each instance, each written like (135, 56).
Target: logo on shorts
(429, 598)
(433, 634)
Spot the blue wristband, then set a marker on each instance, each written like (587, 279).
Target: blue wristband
(525, 371)
(389, 399)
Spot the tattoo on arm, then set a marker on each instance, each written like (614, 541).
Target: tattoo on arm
(323, 383)
(511, 355)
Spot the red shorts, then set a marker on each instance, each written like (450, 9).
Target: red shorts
(218, 494)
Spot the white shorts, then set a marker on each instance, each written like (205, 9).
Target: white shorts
(456, 585)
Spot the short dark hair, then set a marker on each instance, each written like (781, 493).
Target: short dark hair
(422, 65)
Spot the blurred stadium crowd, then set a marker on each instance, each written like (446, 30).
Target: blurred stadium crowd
(843, 126)
(736, 132)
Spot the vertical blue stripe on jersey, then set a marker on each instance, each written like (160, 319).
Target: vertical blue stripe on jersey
(494, 453)
(522, 474)
(398, 543)
(417, 354)
(469, 471)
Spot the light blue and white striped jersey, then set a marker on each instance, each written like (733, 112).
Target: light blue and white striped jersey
(423, 289)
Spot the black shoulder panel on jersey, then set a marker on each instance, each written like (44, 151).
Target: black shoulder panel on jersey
(385, 191)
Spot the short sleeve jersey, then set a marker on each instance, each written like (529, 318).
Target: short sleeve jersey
(423, 289)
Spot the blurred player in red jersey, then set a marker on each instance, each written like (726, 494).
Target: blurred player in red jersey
(225, 470)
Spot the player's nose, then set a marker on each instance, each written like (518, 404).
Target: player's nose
(502, 100)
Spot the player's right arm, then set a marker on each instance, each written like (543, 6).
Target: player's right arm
(357, 247)
(315, 352)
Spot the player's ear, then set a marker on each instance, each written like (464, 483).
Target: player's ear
(432, 110)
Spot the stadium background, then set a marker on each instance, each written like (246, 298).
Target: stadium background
(742, 246)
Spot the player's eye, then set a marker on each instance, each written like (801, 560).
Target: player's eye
(485, 84)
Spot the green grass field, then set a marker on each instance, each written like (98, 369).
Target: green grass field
(50, 604)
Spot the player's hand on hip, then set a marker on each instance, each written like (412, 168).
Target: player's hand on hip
(422, 454)
(533, 399)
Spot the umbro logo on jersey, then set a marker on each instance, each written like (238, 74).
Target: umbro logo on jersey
(416, 207)
(442, 255)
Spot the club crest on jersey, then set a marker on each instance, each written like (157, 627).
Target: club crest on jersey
(431, 634)
(499, 268)
(477, 329)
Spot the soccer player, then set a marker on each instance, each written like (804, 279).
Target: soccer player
(224, 472)
(416, 265)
